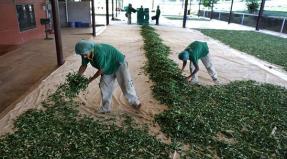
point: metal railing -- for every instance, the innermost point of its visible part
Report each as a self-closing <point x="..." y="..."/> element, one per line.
<point x="277" y="24"/>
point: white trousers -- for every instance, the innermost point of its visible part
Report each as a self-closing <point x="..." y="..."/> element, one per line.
<point x="107" y="86"/>
<point x="129" y="18"/>
<point x="208" y="65"/>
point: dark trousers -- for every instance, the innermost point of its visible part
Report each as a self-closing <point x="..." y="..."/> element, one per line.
<point x="156" y="18"/>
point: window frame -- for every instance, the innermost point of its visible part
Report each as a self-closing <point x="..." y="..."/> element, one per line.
<point x="26" y="18"/>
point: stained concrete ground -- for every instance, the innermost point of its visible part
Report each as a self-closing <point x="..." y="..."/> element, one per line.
<point x="22" y="69"/>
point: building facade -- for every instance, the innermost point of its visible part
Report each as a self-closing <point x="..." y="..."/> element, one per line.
<point x="20" y="21"/>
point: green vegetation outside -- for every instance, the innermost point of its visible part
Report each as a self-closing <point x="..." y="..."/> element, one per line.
<point x="263" y="46"/>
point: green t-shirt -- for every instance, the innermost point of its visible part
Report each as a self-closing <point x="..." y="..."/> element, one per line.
<point x="157" y="12"/>
<point x="105" y="57"/>
<point x="130" y="10"/>
<point x="199" y="50"/>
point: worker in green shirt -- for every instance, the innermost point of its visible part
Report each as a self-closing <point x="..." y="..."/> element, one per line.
<point x="195" y="51"/>
<point x="156" y="17"/>
<point x="130" y="9"/>
<point x="111" y="65"/>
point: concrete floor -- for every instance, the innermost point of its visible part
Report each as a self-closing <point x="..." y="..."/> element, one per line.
<point x="24" y="68"/>
<point x="7" y="48"/>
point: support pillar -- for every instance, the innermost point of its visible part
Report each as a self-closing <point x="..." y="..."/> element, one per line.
<point x="57" y="31"/>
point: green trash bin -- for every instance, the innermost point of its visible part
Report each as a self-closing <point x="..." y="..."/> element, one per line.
<point x="146" y="16"/>
<point x="140" y="16"/>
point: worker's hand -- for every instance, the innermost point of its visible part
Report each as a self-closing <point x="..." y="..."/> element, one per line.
<point x="189" y="78"/>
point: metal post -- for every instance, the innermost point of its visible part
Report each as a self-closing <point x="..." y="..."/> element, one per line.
<point x="211" y="13"/>
<point x="282" y="27"/>
<point x="116" y="8"/>
<point x="219" y="16"/>
<point x="185" y="12"/>
<point x="242" y="20"/>
<point x="57" y="30"/>
<point x="93" y="18"/>
<point x="230" y="14"/>
<point x="199" y="8"/>
<point x="113" y="10"/>
<point x="66" y="10"/>
<point x="190" y="7"/>
<point x="260" y="14"/>
<point x="204" y="13"/>
<point x="107" y="12"/>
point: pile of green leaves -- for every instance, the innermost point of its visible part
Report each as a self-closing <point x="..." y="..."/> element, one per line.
<point x="75" y="83"/>
<point x="60" y="131"/>
<point x="263" y="46"/>
<point x="243" y="119"/>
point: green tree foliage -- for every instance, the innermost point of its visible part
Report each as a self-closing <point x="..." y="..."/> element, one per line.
<point x="208" y="3"/>
<point x="252" y="5"/>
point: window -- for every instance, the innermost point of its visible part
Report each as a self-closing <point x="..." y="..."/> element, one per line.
<point x="26" y="16"/>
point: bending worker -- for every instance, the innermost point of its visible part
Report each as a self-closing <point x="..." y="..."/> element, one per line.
<point x="111" y="65"/>
<point x="195" y="51"/>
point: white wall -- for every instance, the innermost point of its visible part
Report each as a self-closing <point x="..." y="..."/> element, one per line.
<point x="79" y="11"/>
<point x="62" y="12"/>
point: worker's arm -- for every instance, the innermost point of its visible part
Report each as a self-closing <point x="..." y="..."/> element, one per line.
<point x="183" y="65"/>
<point x="189" y="78"/>
<point x="82" y="69"/>
<point x="96" y="75"/>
